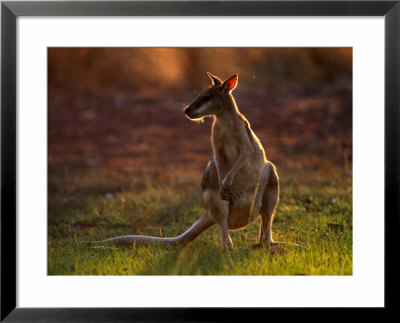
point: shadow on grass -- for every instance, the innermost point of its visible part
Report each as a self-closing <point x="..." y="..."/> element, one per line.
<point x="317" y="214"/>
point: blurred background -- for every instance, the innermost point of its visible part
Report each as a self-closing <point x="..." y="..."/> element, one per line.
<point x="120" y="110"/>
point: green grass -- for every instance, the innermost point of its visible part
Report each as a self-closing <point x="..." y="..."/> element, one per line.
<point x="315" y="211"/>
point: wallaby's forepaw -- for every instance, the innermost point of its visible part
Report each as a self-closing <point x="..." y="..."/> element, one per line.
<point x="225" y="190"/>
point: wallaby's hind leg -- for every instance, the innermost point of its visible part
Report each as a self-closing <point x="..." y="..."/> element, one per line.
<point x="226" y="241"/>
<point x="269" y="203"/>
<point x="218" y="209"/>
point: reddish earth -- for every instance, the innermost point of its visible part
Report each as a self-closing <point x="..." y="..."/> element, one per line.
<point x="113" y="132"/>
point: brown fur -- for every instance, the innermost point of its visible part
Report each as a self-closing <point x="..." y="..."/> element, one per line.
<point x="239" y="184"/>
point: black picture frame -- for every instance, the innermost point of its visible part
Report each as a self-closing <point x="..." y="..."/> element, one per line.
<point x="11" y="10"/>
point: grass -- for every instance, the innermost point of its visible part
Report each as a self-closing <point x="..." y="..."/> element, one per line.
<point x="315" y="211"/>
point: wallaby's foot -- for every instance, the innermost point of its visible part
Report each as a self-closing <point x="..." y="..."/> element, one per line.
<point x="227" y="249"/>
<point x="272" y="244"/>
<point x="226" y="242"/>
<point x="258" y="245"/>
<point x="277" y="243"/>
<point x="227" y="246"/>
<point x="270" y="249"/>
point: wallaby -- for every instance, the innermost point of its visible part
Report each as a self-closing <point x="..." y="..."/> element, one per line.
<point x="239" y="184"/>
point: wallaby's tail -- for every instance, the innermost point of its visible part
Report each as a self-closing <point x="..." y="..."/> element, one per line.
<point x="202" y="224"/>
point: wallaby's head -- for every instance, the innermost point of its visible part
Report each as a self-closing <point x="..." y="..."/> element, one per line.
<point x="215" y="100"/>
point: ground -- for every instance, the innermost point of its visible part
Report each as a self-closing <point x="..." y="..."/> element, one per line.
<point x="119" y="165"/>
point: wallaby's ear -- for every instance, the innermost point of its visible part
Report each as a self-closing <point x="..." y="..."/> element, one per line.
<point x="230" y="83"/>
<point x="214" y="80"/>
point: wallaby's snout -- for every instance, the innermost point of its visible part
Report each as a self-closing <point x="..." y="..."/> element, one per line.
<point x="194" y="111"/>
<point x="199" y="107"/>
<point x="189" y="111"/>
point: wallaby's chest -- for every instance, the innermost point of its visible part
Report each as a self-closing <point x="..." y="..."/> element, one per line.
<point x="226" y="148"/>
